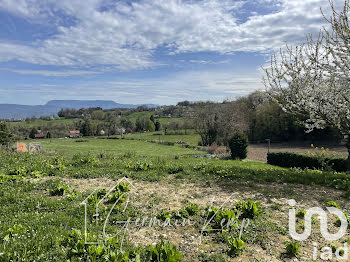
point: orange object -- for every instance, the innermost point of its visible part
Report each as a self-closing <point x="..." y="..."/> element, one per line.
<point x="21" y="147"/>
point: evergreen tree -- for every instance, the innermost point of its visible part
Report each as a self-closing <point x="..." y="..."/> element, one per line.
<point x="5" y="135"/>
<point x="33" y="132"/>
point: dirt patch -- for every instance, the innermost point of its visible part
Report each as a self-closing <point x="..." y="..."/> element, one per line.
<point x="173" y="194"/>
<point x="259" y="152"/>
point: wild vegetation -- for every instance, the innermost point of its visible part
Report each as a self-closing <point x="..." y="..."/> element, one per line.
<point x="42" y="217"/>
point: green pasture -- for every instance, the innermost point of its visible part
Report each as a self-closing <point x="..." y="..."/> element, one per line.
<point x="94" y="146"/>
<point x="187" y="136"/>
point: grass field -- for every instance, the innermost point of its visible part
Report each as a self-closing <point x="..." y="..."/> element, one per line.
<point x="69" y="147"/>
<point x="42" y="219"/>
<point x="42" y="123"/>
<point x="187" y="136"/>
<point x="162" y="120"/>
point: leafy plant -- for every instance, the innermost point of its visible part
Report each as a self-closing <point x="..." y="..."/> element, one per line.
<point x="301" y="213"/>
<point x="175" y="169"/>
<point x="163" y="215"/>
<point x="37" y="174"/>
<point x="139" y="165"/>
<point x="249" y="209"/>
<point x="222" y="218"/>
<point x="18" y="171"/>
<point x="180" y="214"/>
<point x="338" y="222"/>
<point x="94" y="198"/>
<point x="236" y="246"/>
<point x="123" y="187"/>
<point x="333" y="204"/>
<point x="57" y="163"/>
<point x="192" y="209"/>
<point x="292" y="248"/>
<point x="59" y="189"/>
<point x="84" y="160"/>
<point x="117" y="196"/>
<point x="162" y="252"/>
<point x="73" y="194"/>
<point x="5" y="178"/>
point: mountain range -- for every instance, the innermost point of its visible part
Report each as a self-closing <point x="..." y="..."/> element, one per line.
<point x="15" y="111"/>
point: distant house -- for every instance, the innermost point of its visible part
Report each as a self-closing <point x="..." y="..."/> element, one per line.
<point x="74" y="133"/>
<point x="39" y="136"/>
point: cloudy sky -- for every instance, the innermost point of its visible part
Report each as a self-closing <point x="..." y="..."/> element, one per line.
<point x="145" y="51"/>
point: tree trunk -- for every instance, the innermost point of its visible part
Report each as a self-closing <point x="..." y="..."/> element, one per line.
<point x="348" y="147"/>
<point x="348" y="161"/>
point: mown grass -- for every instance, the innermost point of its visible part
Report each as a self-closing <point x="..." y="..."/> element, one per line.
<point x="69" y="147"/>
<point x="42" y="123"/>
<point x="163" y="120"/>
<point x="187" y="136"/>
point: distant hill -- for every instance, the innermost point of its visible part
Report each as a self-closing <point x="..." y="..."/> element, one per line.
<point x="14" y="111"/>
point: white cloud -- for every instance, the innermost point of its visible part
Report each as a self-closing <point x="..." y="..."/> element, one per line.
<point x="50" y="72"/>
<point x="125" y="35"/>
<point x="169" y="89"/>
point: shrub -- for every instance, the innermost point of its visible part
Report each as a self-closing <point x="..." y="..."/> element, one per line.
<point x="212" y="148"/>
<point x="238" y="145"/>
<point x="292" y="248"/>
<point x="235" y="246"/>
<point x="288" y="159"/>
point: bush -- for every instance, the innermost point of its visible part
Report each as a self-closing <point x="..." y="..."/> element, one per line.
<point x="238" y="145"/>
<point x="212" y="148"/>
<point x="287" y="159"/>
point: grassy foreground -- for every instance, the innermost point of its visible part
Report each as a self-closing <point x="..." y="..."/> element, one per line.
<point x="42" y="218"/>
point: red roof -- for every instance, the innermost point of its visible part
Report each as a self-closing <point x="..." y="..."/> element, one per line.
<point x="74" y="132"/>
<point x="39" y="135"/>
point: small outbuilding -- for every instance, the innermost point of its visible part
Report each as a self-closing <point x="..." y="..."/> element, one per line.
<point x="39" y="136"/>
<point x="74" y="133"/>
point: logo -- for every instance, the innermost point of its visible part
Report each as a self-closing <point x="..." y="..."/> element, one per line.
<point x="323" y="222"/>
<point x="326" y="253"/>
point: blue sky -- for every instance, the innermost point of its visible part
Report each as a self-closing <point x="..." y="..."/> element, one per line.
<point x="160" y="51"/>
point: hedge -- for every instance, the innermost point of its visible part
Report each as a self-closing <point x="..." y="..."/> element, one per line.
<point x="287" y="159"/>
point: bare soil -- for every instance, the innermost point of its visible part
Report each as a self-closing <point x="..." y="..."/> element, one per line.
<point x="258" y="152"/>
<point x="172" y="194"/>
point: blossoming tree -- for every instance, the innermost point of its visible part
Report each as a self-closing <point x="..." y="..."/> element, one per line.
<point x="313" y="79"/>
